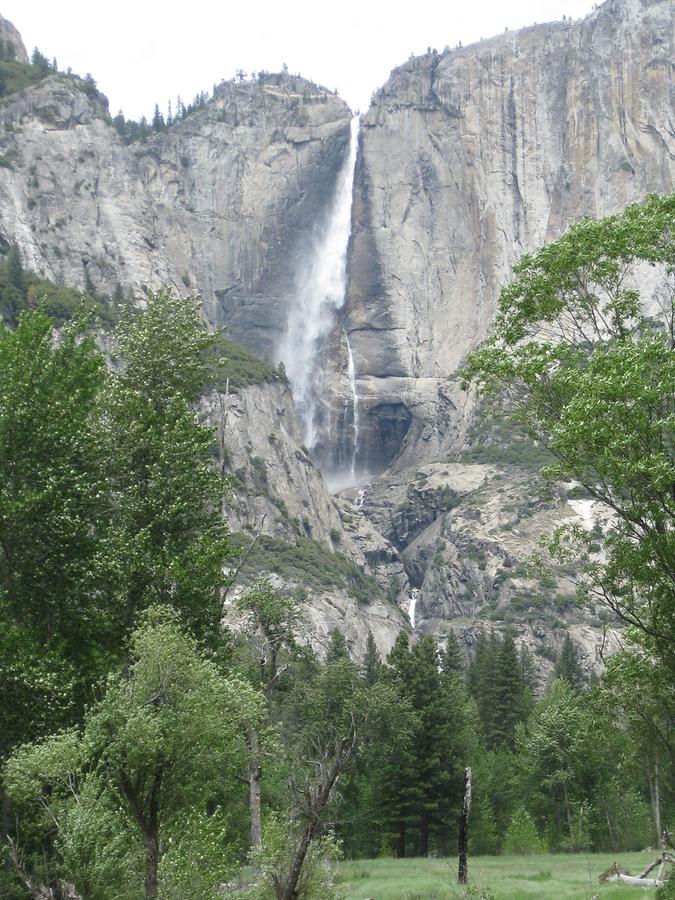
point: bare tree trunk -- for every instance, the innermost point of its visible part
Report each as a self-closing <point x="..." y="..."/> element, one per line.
<point x="464" y="828"/>
<point x="288" y="888"/>
<point x="255" y="787"/>
<point x="655" y="798"/>
<point x="657" y="808"/>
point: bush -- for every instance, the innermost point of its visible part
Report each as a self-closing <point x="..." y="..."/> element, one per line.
<point x="273" y="859"/>
<point x="521" y="836"/>
<point x="309" y="563"/>
<point x="242" y="368"/>
<point x="667" y="889"/>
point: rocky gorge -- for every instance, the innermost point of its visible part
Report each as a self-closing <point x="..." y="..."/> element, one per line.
<point x="465" y="160"/>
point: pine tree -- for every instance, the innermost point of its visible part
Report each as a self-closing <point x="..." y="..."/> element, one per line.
<point x="568" y="666"/>
<point x="509" y="694"/>
<point x="451" y="657"/>
<point x="372" y="662"/>
<point x="337" y="647"/>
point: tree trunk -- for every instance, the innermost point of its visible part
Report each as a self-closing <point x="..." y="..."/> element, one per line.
<point x="288" y="888"/>
<point x="656" y="805"/>
<point x="464" y="828"/>
<point x="151" y="865"/>
<point x="255" y="787"/>
<point x="568" y="812"/>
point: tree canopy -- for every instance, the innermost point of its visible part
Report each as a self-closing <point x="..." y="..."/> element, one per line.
<point x="582" y="355"/>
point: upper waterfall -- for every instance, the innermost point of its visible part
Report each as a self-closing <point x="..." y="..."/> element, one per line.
<point x="320" y="293"/>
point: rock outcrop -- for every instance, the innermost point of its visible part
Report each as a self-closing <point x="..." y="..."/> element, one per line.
<point x="11" y="38"/>
<point x="470" y="158"/>
<point x="318" y="547"/>
<point x="219" y="204"/>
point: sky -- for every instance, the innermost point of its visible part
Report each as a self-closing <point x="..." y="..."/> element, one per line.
<point x="145" y="52"/>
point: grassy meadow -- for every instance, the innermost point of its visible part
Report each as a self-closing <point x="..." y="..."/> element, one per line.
<point x="541" y="876"/>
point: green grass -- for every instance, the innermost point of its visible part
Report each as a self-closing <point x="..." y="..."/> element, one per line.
<point x="538" y="877"/>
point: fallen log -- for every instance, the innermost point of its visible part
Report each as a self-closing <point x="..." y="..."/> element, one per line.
<point x="635" y="880"/>
<point x="641" y="880"/>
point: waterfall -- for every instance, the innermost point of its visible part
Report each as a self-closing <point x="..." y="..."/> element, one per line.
<point x="351" y="374"/>
<point x="414" y="597"/>
<point x="320" y="292"/>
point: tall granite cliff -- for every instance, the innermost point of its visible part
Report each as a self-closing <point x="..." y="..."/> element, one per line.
<point x="468" y="159"/>
<point x="220" y="204"/>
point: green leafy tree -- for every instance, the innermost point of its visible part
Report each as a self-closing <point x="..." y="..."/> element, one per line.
<point x="593" y="379"/>
<point x="270" y="635"/>
<point x="52" y="491"/>
<point x="330" y="721"/>
<point x="451" y="657"/>
<point x="553" y="750"/>
<point x="162" y="749"/>
<point x="167" y="539"/>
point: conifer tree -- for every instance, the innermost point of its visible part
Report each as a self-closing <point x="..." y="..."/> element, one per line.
<point x="451" y="657"/>
<point x="337" y="647"/>
<point x="372" y="662"/>
<point x="509" y="694"/>
<point x="567" y="665"/>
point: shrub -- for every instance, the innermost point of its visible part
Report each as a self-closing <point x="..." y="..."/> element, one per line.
<point x="521" y="836"/>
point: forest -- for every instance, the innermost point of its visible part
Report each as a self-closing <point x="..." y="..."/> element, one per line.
<point x="149" y="752"/>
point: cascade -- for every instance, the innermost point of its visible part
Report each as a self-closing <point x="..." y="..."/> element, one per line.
<point x="414" y="597"/>
<point x="320" y="293"/>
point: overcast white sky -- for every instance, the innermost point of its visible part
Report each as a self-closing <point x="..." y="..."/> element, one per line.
<point x="146" y="51"/>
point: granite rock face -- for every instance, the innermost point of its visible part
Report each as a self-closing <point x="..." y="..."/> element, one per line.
<point x="9" y="35"/>
<point x="276" y="491"/>
<point x="220" y="204"/>
<point x="470" y="158"/>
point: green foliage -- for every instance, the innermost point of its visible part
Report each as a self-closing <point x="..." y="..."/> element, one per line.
<point x="594" y="381"/>
<point x="238" y="368"/>
<point x="15" y="75"/>
<point x="497" y="680"/>
<point x="167" y="539"/>
<point x="667" y="890"/>
<point x="21" y="291"/>
<point x="521" y="836"/>
<point x="307" y="562"/>
<point x="567" y="665"/>
<point x="161" y="748"/>
<point x="273" y="859"/>
<point x="49" y="451"/>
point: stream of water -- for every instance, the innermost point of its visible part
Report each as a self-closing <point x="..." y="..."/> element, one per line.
<point x="320" y="293"/>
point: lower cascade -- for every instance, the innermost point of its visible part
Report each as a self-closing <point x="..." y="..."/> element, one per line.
<point x="414" y="597"/>
<point x="320" y="294"/>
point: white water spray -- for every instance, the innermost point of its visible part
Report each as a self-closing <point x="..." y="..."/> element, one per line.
<point x="320" y="292"/>
<point x="361" y="496"/>
<point x="414" y="597"/>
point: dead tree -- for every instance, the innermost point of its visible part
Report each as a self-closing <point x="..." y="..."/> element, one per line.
<point x="464" y="828"/>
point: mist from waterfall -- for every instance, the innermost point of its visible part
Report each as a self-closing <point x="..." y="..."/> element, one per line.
<point x="320" y="293"/>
